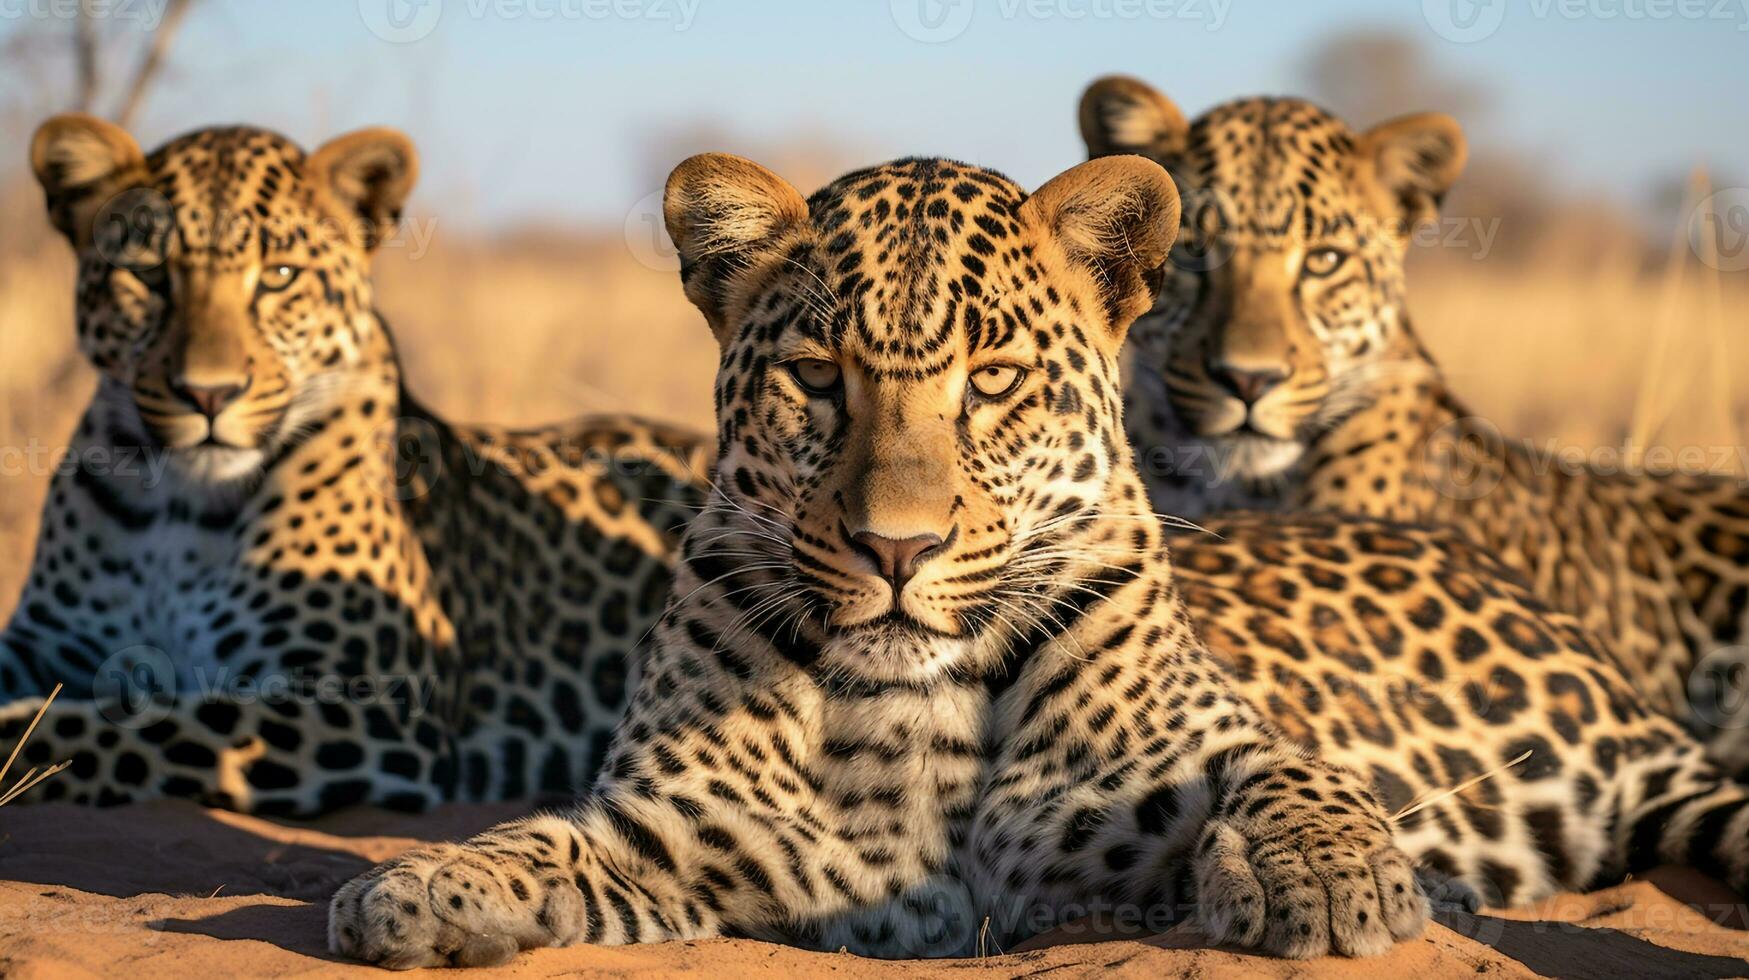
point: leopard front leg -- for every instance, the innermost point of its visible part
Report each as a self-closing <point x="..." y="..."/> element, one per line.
<point x="542" y="881"/>
<point x="459" y="905"/>
<point x="1299" y="860"/>
<point x="1197" y="808"/>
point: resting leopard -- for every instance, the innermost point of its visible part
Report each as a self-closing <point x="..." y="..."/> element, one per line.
<point x="1281" y="370"/>
<point x="267" y="577"/>
<point x="928" y="678"/>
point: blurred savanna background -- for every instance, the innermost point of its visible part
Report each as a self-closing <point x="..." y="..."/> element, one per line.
<point x="1587" y="285"/>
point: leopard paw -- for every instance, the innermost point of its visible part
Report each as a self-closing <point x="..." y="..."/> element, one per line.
<point x="1306" y="888"/>
<point x="451" y="906"/>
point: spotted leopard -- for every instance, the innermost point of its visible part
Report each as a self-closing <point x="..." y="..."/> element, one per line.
<point x="929" y="678"/>
<point x="267" y="577"/>
<point x="1281" y="370"/>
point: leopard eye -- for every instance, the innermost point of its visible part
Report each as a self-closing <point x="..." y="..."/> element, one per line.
<point x="277" y="277"/>
<point x="997" y="380"/>
<point x="1321" y="262"/>
<point x="816" y="376"/>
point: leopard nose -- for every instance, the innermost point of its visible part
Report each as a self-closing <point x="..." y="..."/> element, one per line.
<point x="897" y="559"/>
<point x="1248" y="385"/>
<point x="209" y="400"/>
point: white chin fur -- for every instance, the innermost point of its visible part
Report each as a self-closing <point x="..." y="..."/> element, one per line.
<point x="1253" y="457"/>
<point x="889" y="659"/>
<point x="217" y="465"/>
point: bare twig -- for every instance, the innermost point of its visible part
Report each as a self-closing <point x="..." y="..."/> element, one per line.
<point x="174" y="12"/>
<point x="32" y="777"/>
<point x="85" y="55"/>
<point x="1459" y="788"/>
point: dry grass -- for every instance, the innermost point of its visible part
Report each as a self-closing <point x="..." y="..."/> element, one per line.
<point x="1564" y="342"/>
<point x="1590" y="343"/>
<point x="35" y="774"/>
<point x="525" y="332"/>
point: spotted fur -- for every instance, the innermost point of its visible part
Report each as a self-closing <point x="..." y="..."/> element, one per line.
<point x="929" y="677"/>
<point x="270" y="579"/>
<point x="1263" y="380"/>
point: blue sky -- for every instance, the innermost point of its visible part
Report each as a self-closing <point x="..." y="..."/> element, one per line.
<point x="542" y="109"/>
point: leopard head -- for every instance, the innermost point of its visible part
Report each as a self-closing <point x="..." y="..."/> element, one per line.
<point x="223" y="290"/>
<point x="1284" y="302"/>
<point x="918" y="396"/>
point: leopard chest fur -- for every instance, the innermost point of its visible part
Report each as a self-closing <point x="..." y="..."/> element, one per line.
<point x="900" y="771"/>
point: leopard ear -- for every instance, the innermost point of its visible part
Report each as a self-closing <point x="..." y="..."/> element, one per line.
<point x="1120" y="114"/>
<point x="723" y="212"/>
<point x="1116" y="217"/>
<point x="1414" y="160"/>
<point x="365" y="177"/>
<point x="81" y="162"/>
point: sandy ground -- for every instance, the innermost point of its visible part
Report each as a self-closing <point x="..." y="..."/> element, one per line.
<point x="170" y="889"/>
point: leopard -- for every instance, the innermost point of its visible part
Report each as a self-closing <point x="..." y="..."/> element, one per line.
<point x="1281" y="370"/>
<point x="931" y="681"/>
<point x="267" y="577"/>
